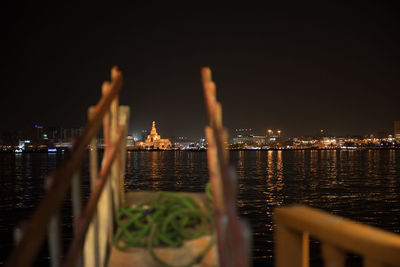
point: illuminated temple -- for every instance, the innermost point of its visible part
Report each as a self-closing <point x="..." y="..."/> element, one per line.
<point x="154" y="141"/>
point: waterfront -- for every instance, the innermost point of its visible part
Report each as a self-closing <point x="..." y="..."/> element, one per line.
<point x="361" y="185"/>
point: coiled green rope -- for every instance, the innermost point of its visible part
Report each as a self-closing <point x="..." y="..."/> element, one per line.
<point x="167" y="220"/>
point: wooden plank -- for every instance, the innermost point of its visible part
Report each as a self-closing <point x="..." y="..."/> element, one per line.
<point x="291" y="247"/>
<point x="343" y="233"/>
<point x="333" y="256"/>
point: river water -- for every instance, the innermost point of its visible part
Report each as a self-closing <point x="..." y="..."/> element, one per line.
<point x="360" y="185"/>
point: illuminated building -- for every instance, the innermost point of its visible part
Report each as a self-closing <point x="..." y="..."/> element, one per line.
<point x="397" y="131"/>
<point x="154" y="141"/>
<point x="143" y="135"/>
<point x="273" y="136"/>
<point x="243" y="136"/>
<point x="130" y="141"/>
<point x="39" y="131"/>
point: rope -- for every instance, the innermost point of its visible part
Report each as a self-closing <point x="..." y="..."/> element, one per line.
<point x="167" y="220"/>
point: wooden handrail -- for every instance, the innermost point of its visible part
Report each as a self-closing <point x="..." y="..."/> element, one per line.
<point x="337" y="233"/>
<point x="60" y="181"/>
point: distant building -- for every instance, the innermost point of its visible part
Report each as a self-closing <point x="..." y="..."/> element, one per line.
<point x="130" y="142"/>
<point x="245" y="140"/>
<point x="243" y="132"/>
<point x="143" y="135"/>
<point x="154" y="141"/>
<point x="38" y="133"/>
<point x="273" y="136"/>
<point x="60" y="136"/>
<point x="397" y="131"/>
<point x="243" y="136"/>
<point x="260" y="139"/>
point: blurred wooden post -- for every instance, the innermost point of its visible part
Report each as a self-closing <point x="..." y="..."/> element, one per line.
<point x="124" y="112"/>
<point x="54" y="235"/>
<point x="106" y="216"/>
<point x="91" y="247"/>
<point x="76" y="202"/>
<point x="291" y="248"/>
<point x="233" y="234"/>
<point x="76" y="245"/>
<point x="114" y="123"/>
<point x="333" y="256"/>
<point x="35" y="231"/>
<point x="368" y="262"/>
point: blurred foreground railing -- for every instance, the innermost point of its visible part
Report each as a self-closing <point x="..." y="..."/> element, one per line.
<point x="233" y="233"/>
<point x="337" y="235"/>
<point x="93" y="226"/>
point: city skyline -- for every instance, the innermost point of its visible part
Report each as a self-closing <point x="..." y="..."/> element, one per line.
<point x="298" y="68"/>
<point x="40" y="132"/>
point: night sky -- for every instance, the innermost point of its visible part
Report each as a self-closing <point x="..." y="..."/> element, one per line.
<point x="298" y="68"/>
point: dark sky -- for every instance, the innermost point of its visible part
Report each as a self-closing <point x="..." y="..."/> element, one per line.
<point x="299" y="68"/>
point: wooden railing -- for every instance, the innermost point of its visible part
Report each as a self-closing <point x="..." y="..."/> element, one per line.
<point x="337" y="235"/>
<point x="93" y="226"/>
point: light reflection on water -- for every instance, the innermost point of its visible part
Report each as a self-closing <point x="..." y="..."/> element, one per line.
<point x="361" y="185"/>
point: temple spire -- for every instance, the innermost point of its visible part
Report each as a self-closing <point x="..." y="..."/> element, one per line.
<point x="154" y="140"/>
<point x="153" y="129"/>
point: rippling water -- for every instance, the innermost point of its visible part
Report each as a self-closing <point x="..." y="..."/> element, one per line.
<point x="360" y="185"/>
